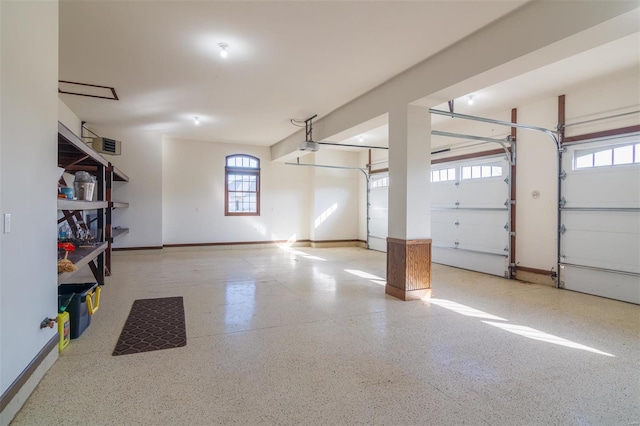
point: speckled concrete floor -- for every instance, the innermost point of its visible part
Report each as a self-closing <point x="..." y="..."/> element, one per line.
<point x="307" y="336"/>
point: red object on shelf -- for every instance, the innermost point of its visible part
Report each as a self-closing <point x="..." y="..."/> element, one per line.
<point x="66" y="246"/>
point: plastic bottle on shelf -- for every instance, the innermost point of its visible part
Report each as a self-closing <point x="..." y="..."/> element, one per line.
<point x="64" y="232"/>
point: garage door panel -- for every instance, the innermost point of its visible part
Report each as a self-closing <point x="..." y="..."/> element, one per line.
<point x="593" y="188"/>
<point x="600" y="250"/>
<point x="479" y="217"/>
<point x="599" y="283"/>
<point x="473" y="217"/>
<point x="378" y="212"/>
<point x="483" y="238"/>
<point x="445" y="232"/>
<point x="378" y="228"/>
<point x="462" y="236"/>
<point x="479" y="235"/>
<point x="603" y="221"/>
<point x="486" y="263"/>
<point x="473" y="230"/>
<point x="482" y="193"/>
<point x="379" y="244"/>
<point x="444" y="194"/>
<point x="608" y="240"/>
<point x="379" y="196"/>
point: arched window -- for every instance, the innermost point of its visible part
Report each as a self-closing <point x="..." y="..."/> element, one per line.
<point x="242" y="192"/>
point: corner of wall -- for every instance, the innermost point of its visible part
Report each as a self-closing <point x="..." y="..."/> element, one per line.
<point x="69" y="118"/>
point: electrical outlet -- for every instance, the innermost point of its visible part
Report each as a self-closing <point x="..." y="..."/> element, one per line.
<point x="7" y="223"/>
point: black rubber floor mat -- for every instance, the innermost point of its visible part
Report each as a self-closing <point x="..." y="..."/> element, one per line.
<point x="153" y="324"/>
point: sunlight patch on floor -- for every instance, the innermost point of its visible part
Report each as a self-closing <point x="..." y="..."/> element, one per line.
<point x="373" y="278"/>
<point x="306" y="255"/>
<point x="520" y="330"/>
<point x="534" y="334"/>
<point x="463" y="309"/>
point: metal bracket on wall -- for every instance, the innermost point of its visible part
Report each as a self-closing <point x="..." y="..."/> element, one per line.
<point x="563" y="175"/>
<point x="563" y="229"/>
<point x="563" y="202"/>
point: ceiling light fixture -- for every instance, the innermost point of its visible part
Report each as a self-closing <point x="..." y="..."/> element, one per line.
<point x="361" y="138"/>
<point x="223" y="49"/>
<point x="196" y="121"/>
<point x="470" y="99"/>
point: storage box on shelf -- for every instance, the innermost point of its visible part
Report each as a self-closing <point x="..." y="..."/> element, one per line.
<point x="73" y="156"/>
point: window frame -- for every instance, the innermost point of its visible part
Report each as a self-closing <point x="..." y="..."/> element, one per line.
<point x="242" y="171"/>
<point x="476" y="168"/>
<point x="633" y="142"/>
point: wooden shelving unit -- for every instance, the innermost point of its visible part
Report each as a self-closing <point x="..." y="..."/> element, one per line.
<point x="64" y="204"/>
<point x="81" y="256"/>
<point x="75" y="155"/>
<point x="116" y="233"/>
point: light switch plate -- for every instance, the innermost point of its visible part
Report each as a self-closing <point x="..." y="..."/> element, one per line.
<point x="7" y="223"/>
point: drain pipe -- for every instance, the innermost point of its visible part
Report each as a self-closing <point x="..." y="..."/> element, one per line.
<point x="553" y="135"/>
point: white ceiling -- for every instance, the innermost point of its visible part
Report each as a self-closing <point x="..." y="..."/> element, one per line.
<point x="611" y="60"/>
<point x="286" y="59"/>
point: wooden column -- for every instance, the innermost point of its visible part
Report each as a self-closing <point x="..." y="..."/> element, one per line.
<point x="408" y="268"/>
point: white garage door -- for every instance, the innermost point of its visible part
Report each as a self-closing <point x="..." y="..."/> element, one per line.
<point x="600" y="219"/>
<point x="470" y="214"/>
<point x="378" y="211"/>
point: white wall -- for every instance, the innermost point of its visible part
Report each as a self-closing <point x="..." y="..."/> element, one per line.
<point x="28" y="178"/>
<point x="69" y="118"/>
<point x="193" y="196"/>
<point x="141" y="160"/>
<point x="335" y="211"/>
<point x="536" y="218"/>
<point x="614" y="94"/>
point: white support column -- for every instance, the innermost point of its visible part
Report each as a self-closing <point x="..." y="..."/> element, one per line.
<point x="409" y="172"/>
<point x="409" y="242"/>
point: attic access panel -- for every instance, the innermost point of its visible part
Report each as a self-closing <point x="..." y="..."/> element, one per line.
<point x="88" y="90"/>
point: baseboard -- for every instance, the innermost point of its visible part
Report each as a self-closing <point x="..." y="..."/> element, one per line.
<point x="18" y="392"/>
<point x="535" y="276"/>
<point x="338" y="243"/>
<point x="250" y="244"/>
<point x="235" y="243"/>
<point x="136" y="248"/>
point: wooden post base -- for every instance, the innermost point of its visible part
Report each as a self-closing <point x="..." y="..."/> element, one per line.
<point x="408" y="269"/>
